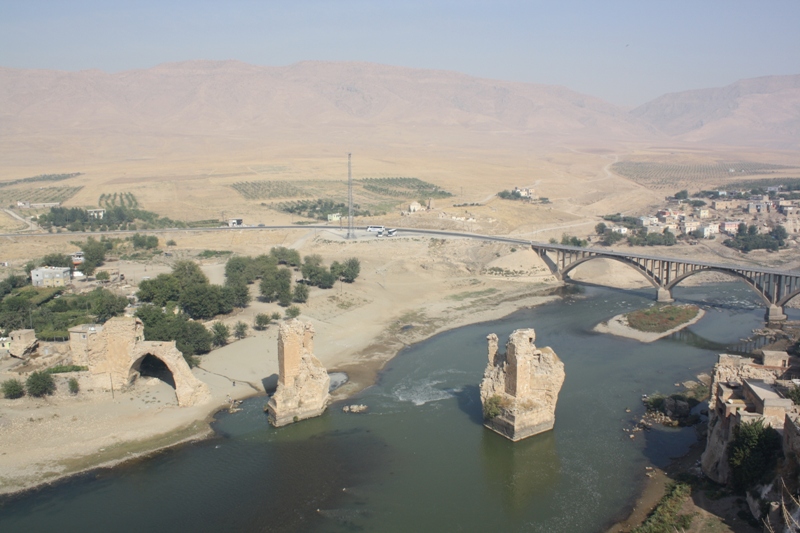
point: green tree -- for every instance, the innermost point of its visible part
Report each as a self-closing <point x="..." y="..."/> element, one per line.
<point x="351" y="269"/>
<point x="780" y="234"/>
<point x="103" y="276"/>
<point x="57" y="260"/>
<point x="300" y="294"/>
<point x="188" y="273"/>
<point x="239" y="293"/>
<point x="219" y="334"/>
<point x="753" y="454"/>
<point x="12" y="389"/>
<point x="160" y="290"/>
<point x="261" y="321"/>
<point x="600" y="228"/>
<point x="94" y="253"/>
<point x="682" y="195"/>
<point x="106" y="305"/>
<point x="292" y="311"/>
<point x="40" y="384"/>
<point x="240" y="330"/>
<point x="201" y="301"/>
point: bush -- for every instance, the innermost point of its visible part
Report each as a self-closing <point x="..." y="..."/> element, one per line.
<point x="61" y="369"/>
<point x="12" y="389"/>
<point x="40" y="384"/>
<point x="171" y="242"/>
<point x="73" y="386"/>
<point x="219" y="334"/>
<point x="261" y="321"/>
<point x="103" y="276"/>
<point x="492" y="407"/>
<point x="753" y="454"/>
<point x="300" y="293"/>
<point x="292" y="311"/>
<point x="240" y="330"/>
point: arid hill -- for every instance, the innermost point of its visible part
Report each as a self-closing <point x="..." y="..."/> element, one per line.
<point x="753" y="112"/>
<point x="310" y="99"/>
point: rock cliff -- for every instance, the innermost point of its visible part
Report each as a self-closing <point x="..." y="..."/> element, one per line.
<point x="303" y="382"/>
<point x="520" y="388"/>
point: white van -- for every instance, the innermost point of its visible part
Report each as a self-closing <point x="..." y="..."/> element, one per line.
<point x="375" y="228"/>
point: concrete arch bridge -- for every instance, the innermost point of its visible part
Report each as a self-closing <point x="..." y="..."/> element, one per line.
<point x="775" y="287"/>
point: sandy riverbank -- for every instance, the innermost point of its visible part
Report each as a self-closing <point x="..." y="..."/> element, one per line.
<point x="401" y="297"/>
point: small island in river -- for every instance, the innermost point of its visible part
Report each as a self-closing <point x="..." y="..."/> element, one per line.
<point x="653" y="323"/>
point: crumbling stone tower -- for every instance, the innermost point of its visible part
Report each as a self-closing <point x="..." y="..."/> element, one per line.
<point x="303" y="382"/>
<point x="520" y="388"/>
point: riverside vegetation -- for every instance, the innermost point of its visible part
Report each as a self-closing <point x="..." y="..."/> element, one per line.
<point x="660" y="318"/>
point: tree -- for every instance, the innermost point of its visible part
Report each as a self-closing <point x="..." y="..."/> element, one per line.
<point x="94" y="253"/>
<point x="106" y="305"/>
<point x="57" y="260"/>
<point x="240" y="330"/>
<point x="780" y="234"/>
<point x="351" y="269"/>
<point x="741" y="229"/>
<point x="201" y="301"/>
<point x="752" y="230"/>
<point x="753" y="454"/>
<point x="300" y="294"/>
<point x="103" y="276"/>
<point x="73" y="385"/>
<point x="292" y="311"/>
<point x="12" y="389"/>
<point x="600" y="228"/>
<point x="188" y="273"/>
<point x="160" y="290"/>
<point x="237" y="293"/>
<point x="682" y="195"/>
<point x="219" y="334"/>
<point x="261" y="321"/>
<point x="40" y="384"/>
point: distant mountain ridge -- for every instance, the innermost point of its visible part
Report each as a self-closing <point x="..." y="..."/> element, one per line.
<point x="323" y="100"/>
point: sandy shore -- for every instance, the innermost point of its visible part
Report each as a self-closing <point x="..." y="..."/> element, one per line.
<point x="618" y="326"/>
<point x="402" y="296"/>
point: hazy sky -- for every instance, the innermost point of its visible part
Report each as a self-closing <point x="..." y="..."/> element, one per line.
<point x="624" y="51"/>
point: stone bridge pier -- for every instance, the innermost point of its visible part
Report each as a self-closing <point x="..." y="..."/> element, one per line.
<point x="774" y="287"/>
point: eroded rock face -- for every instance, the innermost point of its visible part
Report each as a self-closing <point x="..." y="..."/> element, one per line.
<point x="303" y="382"/>
<point x="520" y="388"/>
<point x="114" y="352"/>
<point x="23" y="343"/>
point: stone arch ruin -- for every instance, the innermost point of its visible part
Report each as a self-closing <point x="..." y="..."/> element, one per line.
<point x="117" y="348"/>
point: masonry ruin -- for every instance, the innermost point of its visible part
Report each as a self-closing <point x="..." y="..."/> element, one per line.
<point x="520" y="387"/>
<point x="303" y="383"/>
<point x="114" y="352"/>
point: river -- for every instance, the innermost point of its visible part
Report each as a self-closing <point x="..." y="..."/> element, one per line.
<point x="419" y="459"/>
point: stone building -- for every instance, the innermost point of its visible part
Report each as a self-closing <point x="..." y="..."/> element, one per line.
<point x="114" y="353"/>
<point x="522" y="385"/>
<point x="303" y="383"/>
<point x="22" y="343"/>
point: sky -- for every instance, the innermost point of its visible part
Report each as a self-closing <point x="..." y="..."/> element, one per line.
<point x="626" y="52"/>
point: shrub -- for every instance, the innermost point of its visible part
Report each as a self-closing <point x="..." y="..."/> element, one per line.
<point x="753" y="454"/>
<point x="492" y="407"/>
<point x="793" y="393"/>
<point x="12" y="389"/>
<point x="73" y="386"/>
<point x="171" y="242"/>
<point x="240" y="330"/>
<point x="292" y="311"/>
<point x="40" y="384"/>
<point x="219" y="334"/>
<point x="261" y="321"/>
<point x="103" y="276"/>
<point x="60" y="369"/>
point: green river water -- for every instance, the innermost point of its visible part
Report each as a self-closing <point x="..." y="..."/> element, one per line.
<point x="419" y="459"/>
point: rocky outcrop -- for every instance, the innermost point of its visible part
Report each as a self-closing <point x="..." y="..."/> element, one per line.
<point x="722" y="417"/>
<point x="303" y="382"/>
<point x="115" y="351"/>
<point x="520" y="388"/>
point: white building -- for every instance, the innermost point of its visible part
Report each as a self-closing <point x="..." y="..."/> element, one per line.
<point x="48" y="276"/>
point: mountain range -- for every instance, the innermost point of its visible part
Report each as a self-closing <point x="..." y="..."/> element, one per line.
<point x="378" y="103"/>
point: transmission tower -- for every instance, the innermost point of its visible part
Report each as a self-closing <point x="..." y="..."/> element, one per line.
<point x="350" y="229"/>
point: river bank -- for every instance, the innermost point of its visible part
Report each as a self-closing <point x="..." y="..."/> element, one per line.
<point x="49" y="439"/>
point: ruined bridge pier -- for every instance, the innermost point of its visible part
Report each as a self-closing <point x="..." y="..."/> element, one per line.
<point x="775" y="287"/>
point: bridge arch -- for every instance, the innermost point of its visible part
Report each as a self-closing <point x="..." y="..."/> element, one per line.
<point x="731" y="273"/>
<point x="783" y="301"/>
<point x="622" y="260"/>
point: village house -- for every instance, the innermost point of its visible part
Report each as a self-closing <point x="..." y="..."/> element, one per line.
<point x="688" y="226"/>
<point x="730" y="226"/>
<point x="96" y="213"/>
<point x="724" y="205"/>
<point x="622" y="230"/>
<point x="48" y="276"/>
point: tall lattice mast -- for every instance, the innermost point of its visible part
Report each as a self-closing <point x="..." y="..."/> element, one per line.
<point x="350" y="230"/>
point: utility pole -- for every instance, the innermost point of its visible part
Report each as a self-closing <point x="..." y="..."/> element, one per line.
<point x="350" y="230"/>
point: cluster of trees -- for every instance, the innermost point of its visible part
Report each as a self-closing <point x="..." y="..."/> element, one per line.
<point x="571" y="240"/>
<point x="510" y="195"/>
<point x="38" y="384"/>
<point x="747" y="238"/>
<point x="51" y="314"/>
<point x="192" y="338"/>
<point x="642" y="238"/>
<point x="189" y="289"/>
<point x="147" y="242"/>
<point x="273" y="271"/>
<point x="115" y="218"/>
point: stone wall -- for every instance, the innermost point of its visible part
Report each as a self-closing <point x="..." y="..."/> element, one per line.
<point x="523" y="383"/>
<point x="303" y="382"/>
